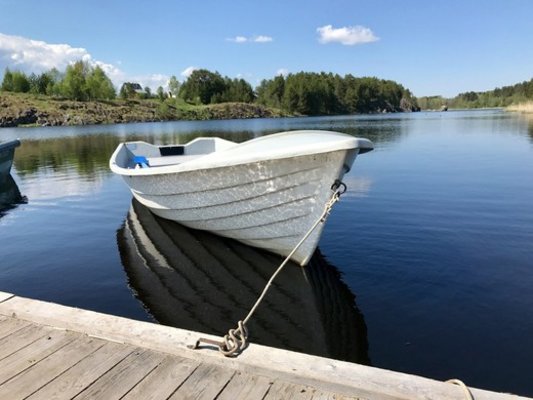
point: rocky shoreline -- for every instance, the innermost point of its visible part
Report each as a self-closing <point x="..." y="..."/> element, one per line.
<point x="24" y="117"/>
<point x="33" y="117"/>
<point x="25" y="110"/>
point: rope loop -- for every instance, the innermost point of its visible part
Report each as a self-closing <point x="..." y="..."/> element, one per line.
<point x="235" y="340"/>
<point x="461" y="384"/>
<point x="337" y="189"/>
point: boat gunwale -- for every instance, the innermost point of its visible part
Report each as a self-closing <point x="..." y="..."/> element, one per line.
<point x="213" y="160"/>
<point x="12" y="144"/>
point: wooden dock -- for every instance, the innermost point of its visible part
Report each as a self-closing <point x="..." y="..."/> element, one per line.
<point x="49" y="351"/>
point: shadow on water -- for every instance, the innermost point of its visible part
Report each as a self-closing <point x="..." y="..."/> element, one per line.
<point x="198" y="281"/>
<point x="10" y="196"/>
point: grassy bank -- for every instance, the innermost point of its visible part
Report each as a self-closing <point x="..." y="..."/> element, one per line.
<point x="526" y="107"/>
<point x="21" y="109"/>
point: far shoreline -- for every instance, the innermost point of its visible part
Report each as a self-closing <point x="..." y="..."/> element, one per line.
<point x="19" y="110"/>
<point x="22" y="110"/>
<point x="27" y="111"/>
<point x="36" y="125"/>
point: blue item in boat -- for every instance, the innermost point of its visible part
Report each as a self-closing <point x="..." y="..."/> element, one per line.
<point x="141" y="161"/>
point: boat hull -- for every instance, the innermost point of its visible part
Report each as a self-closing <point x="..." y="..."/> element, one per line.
<point x="7" y="152"/>
<point x="268" y="204"/>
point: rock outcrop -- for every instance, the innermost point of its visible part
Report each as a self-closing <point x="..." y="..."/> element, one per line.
<point x="24" y="110"/>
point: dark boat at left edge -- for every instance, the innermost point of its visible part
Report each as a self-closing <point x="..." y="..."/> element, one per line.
<point x="7" y="151"/>
<point x="10" y="195"/>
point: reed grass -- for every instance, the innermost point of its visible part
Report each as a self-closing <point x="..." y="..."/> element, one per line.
<point x="526" y="107"/>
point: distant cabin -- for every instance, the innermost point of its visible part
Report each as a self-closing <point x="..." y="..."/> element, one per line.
<point x="137" y="87"/>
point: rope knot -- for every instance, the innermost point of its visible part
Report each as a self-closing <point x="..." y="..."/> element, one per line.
<point x="235" y="340"/>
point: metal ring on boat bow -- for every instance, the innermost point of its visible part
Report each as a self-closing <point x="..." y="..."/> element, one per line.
<point x="339" y="186"/>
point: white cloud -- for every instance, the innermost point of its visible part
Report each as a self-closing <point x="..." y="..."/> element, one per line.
<point x="153" y="81"/>
<point x="114" y="73"/>
<point x="35" y="55"/>
<point x="188" y="71"/>
<point x="247" y="76"/>
<point x="257" y="39"/>
<point x="282" y="72"/>
<point x="20" y="53"/>
<point x="262" y="39"/>
<point x="348" y="35"/>
<point x="237" y="39"/>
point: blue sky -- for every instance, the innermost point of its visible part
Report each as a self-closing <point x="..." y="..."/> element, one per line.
<point x="431" y="47"/>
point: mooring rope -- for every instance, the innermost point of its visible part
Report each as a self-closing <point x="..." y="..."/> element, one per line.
<point x="460" y="383"/>
<point x="235" y="341"/>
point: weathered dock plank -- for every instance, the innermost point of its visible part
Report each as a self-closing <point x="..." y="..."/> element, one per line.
<point x="39" y="374"/>
<point x="29" y="355"/>
<point x="21" y="338"/>
<point x="286" y="390"/>
<point x="8" y="326"/>
<point x="120" y="379"/>
<point x="332" y="396"/>
<point x="5" y="296"/>
<point x="83" y="374"/>
<point x="205" y="383"/>
<point x="163" y="381"/>
<point x="152" y="349"/>
<point x="246" y="386"/>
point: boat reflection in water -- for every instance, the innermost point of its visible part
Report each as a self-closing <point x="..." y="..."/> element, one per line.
<point x="10" y="195"/>
<point x="198" y="281"/>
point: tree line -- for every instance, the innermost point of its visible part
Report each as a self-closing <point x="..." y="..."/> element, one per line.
<point x="305" y="93"/>
<point x="80" y="81"/>
<point x="499" y="97"/>
<point x="206" y="87"/>
<point x="323" y="93"/>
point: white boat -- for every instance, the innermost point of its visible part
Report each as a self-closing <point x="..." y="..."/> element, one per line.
<point x="266" y="192"/>
<point x="7" y="151"/>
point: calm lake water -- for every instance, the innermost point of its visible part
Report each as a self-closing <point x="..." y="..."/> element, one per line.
<point x="425" y="266"/>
